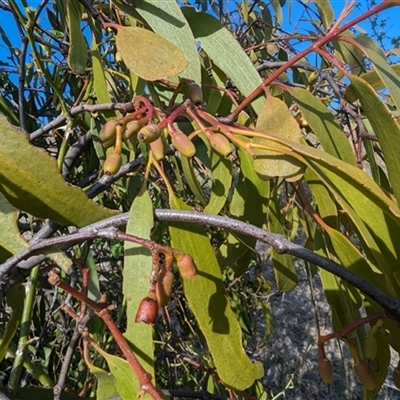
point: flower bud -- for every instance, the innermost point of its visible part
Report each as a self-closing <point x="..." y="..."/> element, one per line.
<point x="325" y="370"/>
<point x="149" y="133"/>
<point x="158" y="148"/>
<point x="183" y="144"/>
<point x="196" y="94"/>
<point x="186" y="265"/>
<point x="370" y="347"/>
<point x="147" y="311"/>
<point x="220" y="144"/>
<point x="365" y="375"/>
<point x="108" y="131"/>
<point x="131" y="128"/>
<point x="164" y="285"/>
<point x="112" y="164"/>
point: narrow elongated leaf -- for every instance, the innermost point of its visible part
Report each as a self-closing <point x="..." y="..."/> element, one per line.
<point x="371" y="77"/>
<point x="105" y="381"/>
<point x="278" y="11"/>
<point x="192" y="180"/>
<point x="326" y="12"/>
<point x="276" y="119"/>
<point x="224" y="51"/>
<point x="166" y="19"/>
<point x="15" y="300"/>
<point x="386" y="130"/>
<point x="125" y="380"/>
<point x="324" y="125"/>
<point x="137" y="268"/>
<point x="77" y="51"/>
<point x="31" y="181"/>
<point x="208" y="301"/>
<point x="148" y="55"/>
<point x="10" y="238"/>
<point x="285" y="272"/>
<point x="363" y="199"/>
<point x="99" y="78"/>
<point x="221" y="169"/>
<point x="378" y="58"/>
<point x="327" y="208"/>
<point x="249" y="186"/>
<point x="343" y="309"/>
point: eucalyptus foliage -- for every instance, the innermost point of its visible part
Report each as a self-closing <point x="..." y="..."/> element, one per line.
<point x="294" y="133"/>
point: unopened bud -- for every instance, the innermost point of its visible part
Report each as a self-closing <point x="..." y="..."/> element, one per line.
<point x="112" y="164"/>
<point x="187" y="267"/>
<point x="108" y="131"/>
<point x="325" y="370"/>
<point x="149" y="133"/>
<point x="158" y="148"/>
<point x="147" y="311"/>
<point x="365" y="375"/>
<point x="183" y="144"/>
<point x="164" y="285"/>
<point x="220" y="144"/>
<point x="131" y="128"/>
<point x="196" y="94"/>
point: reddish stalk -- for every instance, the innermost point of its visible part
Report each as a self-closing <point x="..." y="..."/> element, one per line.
<point x="318" y="44"/>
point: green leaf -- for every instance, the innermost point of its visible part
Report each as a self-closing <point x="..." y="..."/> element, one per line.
<point x="378" y="58"/>
<point x="278" y="11"/>
<point x="327" y="209"/>
<point x="206" y="295"/>
<point x="324" y="125"/>
<point x="224" y="51"/>
<point x="148" y="55"/>
<point x="166" y="19"/>
<point x="352" y="259"/>
<point x="344" y="310"/>
<point x="77" y="51"/>
<point x="284" y="269"/>
<point x="191" y="179"/>
<point x="221" y="169"/>
<point x="99" y="78"/>
<point x="386" y="129"/>
<point x="10" y="238"/>
<point x="350" y="54"/>
<point x="276" y="119"/>
<point x="249" y="186"/>
<point x="373" y="78"/>
<point x="326" y="13"/>
<point x="105" y="382"/>
<point x="31" y="181"/>
<point x="363" y="200"/>
<point x="15" y="300"/>
<point x="137" y="268"/>
<point x="126" y="381"/>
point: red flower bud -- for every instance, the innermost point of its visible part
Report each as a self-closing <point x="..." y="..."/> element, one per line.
<point x="164" y="285"/>
<point x="365" y="375"/>
<point x="187" y="267"/>
<point x="147" y="311"/>
<point x="325" y="370"/>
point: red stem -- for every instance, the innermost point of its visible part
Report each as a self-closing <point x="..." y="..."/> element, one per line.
<point x="322" y="41"/>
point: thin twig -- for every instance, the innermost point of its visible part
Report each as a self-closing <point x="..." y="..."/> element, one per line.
<point x="92" y="108"/>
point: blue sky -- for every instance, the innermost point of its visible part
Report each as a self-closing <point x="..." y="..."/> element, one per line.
<point x="393" y="24"/>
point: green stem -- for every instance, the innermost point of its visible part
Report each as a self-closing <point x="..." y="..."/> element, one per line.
<point x="16" y="371"/>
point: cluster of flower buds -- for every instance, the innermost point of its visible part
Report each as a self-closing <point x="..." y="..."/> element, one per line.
<point x="159" y="296"/>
